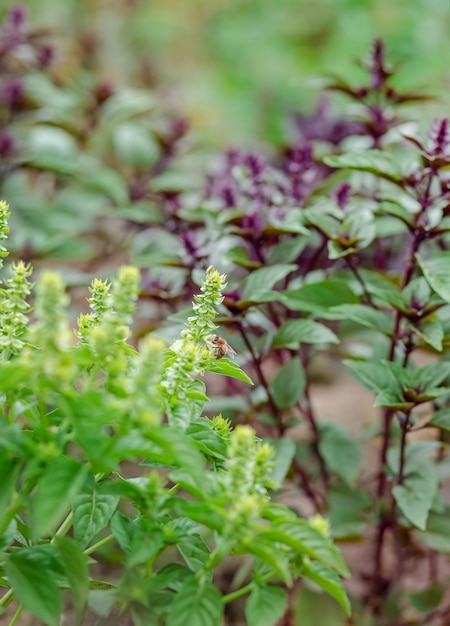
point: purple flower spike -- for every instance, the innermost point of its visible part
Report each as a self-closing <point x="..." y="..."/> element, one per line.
<point x="16" y="19"/>
<point x="12" y="93"/>
<point x="228" y="196"/>
<point x="378" y="71"/>
<point x="45" y="56"/>
<point x="7" y="144"/>
<point x="254" y="163"/>
<point x="191" y="247"/>
<point x="342" y="195"/>
<point x="439" y="137"/>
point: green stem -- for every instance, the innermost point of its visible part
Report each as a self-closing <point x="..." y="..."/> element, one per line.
<point x="99" y="544"/>
<point x="11" y="511"/>
<point x="64" y="528"/>
<point x="7" y="599"/>
<point x="234" y="595"/>
<point x="16" y="615"/>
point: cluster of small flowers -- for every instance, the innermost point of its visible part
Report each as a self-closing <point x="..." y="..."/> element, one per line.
<point x="14" y="309"/>
<point x="98" y="302"/>
<point x="200" y="325"/>
<point x="248" y="463"/>
<point x="187" y="361"/>
<point x="4" y="228"/>
<point x="106" y="328"/>
<point x="246" y="478"/>
<point x="50" y="331"/>
<point x="190" y="355"/>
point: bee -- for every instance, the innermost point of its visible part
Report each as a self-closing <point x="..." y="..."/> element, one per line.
<point x="221" y="347"/>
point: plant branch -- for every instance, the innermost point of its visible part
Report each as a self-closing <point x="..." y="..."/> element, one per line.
<point x="354" y="270"/>
<point x="307" y="409"/>
<point x="304" y="478"/>
<point x="16" y="615"/>
<point x="7" y="599"/>
<point x="64" y="528"/>
<point x="99" y="544"/>
<point x="387" y="519"/>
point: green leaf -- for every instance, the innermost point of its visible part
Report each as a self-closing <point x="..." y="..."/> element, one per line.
<point x="415" y="495"/>
<point x="123" y="529"/>
<point x="194" y="551"/>
<point x="396" y="209"/>
<point x="127" y="103"/>
<point x="135" y="145"/>
<point x="329" y="581"/>
<point x="143" y="212"/>
<point x="374" y="161"/>
<point x="9" y="472"/>
<point x="47" y="142"/>
<point x="341" y="454"/>
<point x="441" y="419"/>
<point x="169" y="447"/>
<point x="262" y="280"/>
<point x="431" y="332"/>
<point x="437" y="273"/>
<point x="314" y="609"/>
<point x="13" y="374"/>
<point x="429" y="599"/>
<point x="289" y="384"/>
<point x="91" y="514"/>
<point x="301" y="536"/>
<point x="208" y="441"/>
<point x="295" y="332"/>
<point x="375" y="377"/>
<point x="171" y="576"/>
<point x="292" y="222"/>
<point x="239" y="256"/>
<point x="8" y="536"/>
<point x="382" y="288"/>
<point x="326" y="216"/>
<point x="108" y="182"/>
<point x="393" y="400"/>
<point x="34" y="584"/>
<point x="349" y="510"/>
<point x="146" y="544"/>
<point x="430" y="376"/>
<point x="265" y="606"/>
<point x="284" y="453"/>
<point x="75" y="562"/>
<point x="102" y="600"/>
<point x="197" y="605"/>
<point x="56" y="488"/>
<point x="90" y="417"/>
<point x="275" y="559"/>
<point x="226" y="367"/>
<point x="437" y="533"/>
<point x="320" y="296"/>
<point x="364" y="315"/>
<point x="181" y="414"/>
<point x="287" y="250"/>
<point x="200" y="512"/>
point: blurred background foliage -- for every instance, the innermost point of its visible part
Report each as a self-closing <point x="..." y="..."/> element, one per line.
<point x="235" y="66"/>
